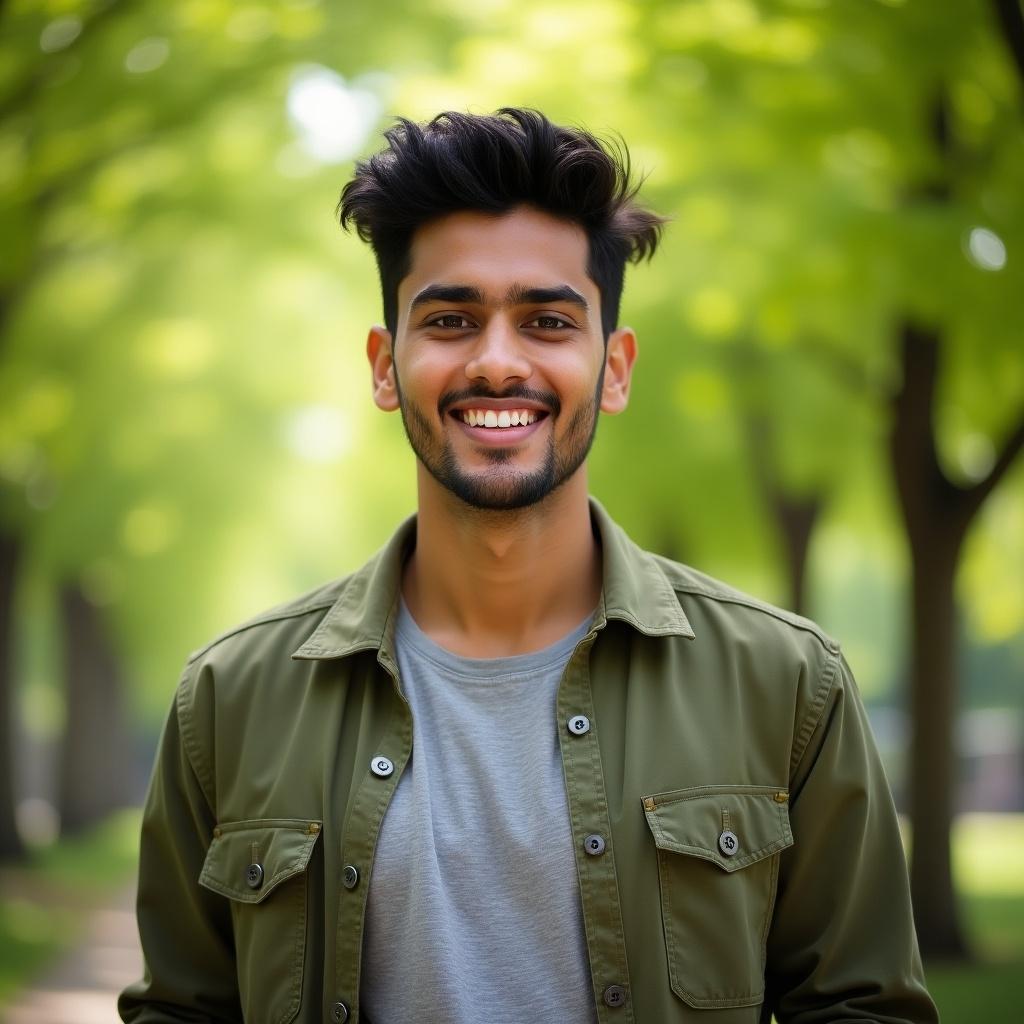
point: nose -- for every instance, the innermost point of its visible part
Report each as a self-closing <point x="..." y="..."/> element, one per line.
<point x="498" y="355"/>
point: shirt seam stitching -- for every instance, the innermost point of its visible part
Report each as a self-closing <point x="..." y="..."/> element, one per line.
<point x="191" y="745"/>
<point x="779" y="614"/>
<point x="814" y="714"/>
<point x="263" y="620"/>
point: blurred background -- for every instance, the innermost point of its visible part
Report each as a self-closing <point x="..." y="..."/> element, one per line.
<point x="828" y="410"/>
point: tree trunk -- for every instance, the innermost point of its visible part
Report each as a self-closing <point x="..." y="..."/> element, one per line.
<point x="795" y="519"/>
<point x="937" y="514"/>
<point x="795" y="516"/>
<point x="935" y="528"/>
<point x="10" y="842"/>
<point x="933" y="707"/>
<point x="96" y="761"/>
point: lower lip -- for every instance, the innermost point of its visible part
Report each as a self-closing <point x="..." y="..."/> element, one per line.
<point x="499" y="437"/>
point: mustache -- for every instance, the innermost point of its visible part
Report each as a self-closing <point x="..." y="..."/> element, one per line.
<point x="548" y="399"/>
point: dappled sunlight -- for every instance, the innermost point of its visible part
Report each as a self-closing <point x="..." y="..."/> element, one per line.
<point x="713" y="311"/>
<point x="181" y="347"/>
<point x="318" y="433"/>
<point x="149" y="528"/>
<point x="147" y="55"/>
<point x="333" y="118"/>
<point x="985" y="249"/>
<point x="60" y="33"/>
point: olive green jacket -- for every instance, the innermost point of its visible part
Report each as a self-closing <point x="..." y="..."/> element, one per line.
<point x="752" y="862"/>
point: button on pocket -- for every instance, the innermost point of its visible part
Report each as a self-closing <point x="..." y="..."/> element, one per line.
<point x="729" y="843"/>
<point x="268" y="908"/>
<point x="718" y="887"/>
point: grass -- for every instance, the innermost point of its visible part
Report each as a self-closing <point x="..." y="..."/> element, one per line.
<point x="45" y="901"/>
<point x="988" y="860"/>
<point x="979" y="994"/>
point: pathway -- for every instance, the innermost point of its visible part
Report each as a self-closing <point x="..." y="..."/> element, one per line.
<point x="82" y="986"/>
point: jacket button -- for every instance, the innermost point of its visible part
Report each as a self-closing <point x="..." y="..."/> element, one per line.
<point x="579" y="725"/>
<point x="729" y="843"/>
<point x="339" y="1013"/>
<point x="381" y="766"/>
<point x="254" y="876"/>
<point x="349" y="876"/>
<point x="594" y="845"/>
<point x="615" y="996"/>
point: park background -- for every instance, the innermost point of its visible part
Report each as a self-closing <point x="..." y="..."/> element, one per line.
<point x="828" y="409"/>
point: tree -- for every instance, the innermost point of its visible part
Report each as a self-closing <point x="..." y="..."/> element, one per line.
<point x="108" y="115"/>
<point x="937" y="513"/>
<point x="10" y="841"/>
<point x="96" y="765"/>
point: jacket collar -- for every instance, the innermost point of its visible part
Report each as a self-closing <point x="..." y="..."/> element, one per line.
<point x="635" y="590"/>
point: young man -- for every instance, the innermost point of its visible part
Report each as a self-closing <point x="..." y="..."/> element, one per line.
<point x="516" y="768"/>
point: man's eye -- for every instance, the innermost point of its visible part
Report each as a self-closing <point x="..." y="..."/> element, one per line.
<point x="548" y="323"/>
<point x="451" y="322"/>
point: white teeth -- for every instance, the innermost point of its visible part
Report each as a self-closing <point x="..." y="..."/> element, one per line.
<point x="504" y="418"/>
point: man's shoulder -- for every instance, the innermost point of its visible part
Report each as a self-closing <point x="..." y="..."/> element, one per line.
<point x="281" y="622"/>
<point x="701" y="595"/>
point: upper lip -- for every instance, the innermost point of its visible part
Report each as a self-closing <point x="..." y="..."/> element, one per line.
<point x="497" y="404"/>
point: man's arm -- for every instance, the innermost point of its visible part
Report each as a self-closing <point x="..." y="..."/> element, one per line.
<point x="185" y="929"/>
<point x="842" y="945"/>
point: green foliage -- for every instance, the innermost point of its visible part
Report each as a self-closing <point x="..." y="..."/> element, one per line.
<point x="185" y="421"/>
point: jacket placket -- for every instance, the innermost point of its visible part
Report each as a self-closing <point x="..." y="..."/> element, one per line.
<point x="589" y="817"/>
<point x="359" y="841"/>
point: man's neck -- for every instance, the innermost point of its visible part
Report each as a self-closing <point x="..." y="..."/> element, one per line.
<point x="489" y="584"/>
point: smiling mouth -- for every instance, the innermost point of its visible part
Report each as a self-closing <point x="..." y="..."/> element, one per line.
<point x="494" y="419"/>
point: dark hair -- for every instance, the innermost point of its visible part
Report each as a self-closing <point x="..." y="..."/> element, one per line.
<point x="493" y="163"/>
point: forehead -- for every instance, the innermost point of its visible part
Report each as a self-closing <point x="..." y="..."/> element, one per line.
<point x="490" y="251"/>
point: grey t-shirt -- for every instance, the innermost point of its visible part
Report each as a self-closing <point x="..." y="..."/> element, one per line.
<point x="473" y="909"/>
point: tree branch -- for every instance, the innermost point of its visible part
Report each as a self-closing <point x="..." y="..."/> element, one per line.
<point x="921" y="484"/>
<point x="852" y="373"/>
<point x="1012" y="447"/>
<point x="24" y="90"/>
<point x="1011" y="24"/>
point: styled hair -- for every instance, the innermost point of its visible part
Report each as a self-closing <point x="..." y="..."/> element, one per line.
<point x="493" y="163"/>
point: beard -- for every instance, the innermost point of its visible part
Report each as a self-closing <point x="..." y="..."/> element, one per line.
<point x="502" y="486"/>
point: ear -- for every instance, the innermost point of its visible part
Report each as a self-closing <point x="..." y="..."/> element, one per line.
<point x="382" y="366"/>
<point x="619" y="357"/>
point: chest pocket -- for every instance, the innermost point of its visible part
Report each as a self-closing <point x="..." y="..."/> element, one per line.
<point x="718" y="866"/>
<point x="260" y="866"/>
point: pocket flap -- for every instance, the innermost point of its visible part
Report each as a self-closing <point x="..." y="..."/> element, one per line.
<point x="278" y="847"/>
<point x="698" y="821"/>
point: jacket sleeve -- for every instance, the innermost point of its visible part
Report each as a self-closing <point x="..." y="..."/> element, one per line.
<point x="185" y="930"/>
<point x="842" y="945"/>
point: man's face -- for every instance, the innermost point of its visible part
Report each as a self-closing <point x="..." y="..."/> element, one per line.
<point x="499" y="365"/>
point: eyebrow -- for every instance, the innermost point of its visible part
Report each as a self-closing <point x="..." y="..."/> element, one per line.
<point x="447" y="293"/>
<point x="517" y="295"/>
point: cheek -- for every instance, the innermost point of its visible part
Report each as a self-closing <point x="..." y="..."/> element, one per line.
<point x="569" y="373"/>
<point x="418" y="376"/>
